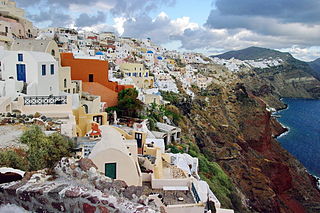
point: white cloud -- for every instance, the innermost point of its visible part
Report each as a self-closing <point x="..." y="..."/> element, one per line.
<point x="119" y="24"/>
<point x="304" y="53"/>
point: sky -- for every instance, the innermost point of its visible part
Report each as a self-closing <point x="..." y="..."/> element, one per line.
<point x="207" y="26"/>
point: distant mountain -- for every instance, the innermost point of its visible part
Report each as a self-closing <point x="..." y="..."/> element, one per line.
<point x="255" y="53"/>
<point x="315" y="65"/>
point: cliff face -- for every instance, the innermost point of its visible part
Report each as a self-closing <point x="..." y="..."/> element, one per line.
<point x="292" y="78"/>
<point x="234" y="129"/>
<point x="74" y="186"/>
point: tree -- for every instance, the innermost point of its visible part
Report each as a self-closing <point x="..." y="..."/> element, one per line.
<point x="128" y="103"/>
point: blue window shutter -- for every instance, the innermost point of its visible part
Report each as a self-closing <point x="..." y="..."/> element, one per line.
<point x="52" y="69"/>
<point x="43" y="69"/>
<point x="20" y="57"/>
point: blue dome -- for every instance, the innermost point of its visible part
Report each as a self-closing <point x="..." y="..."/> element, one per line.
<point x="159" y="58"/>
<point x="99" y="53"/>
<point x="149" y="51"/>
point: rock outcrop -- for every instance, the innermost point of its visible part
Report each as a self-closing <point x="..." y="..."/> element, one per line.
<point x="74" y="186"/>
<point x="235" y="129"/>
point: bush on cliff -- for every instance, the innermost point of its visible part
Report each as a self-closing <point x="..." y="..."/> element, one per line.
<point x="155" y="113"/>
<point x="43" y="151"/>
<point x="15" y="159"/>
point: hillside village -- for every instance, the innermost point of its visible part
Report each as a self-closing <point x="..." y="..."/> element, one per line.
<point x="70" y="81"/>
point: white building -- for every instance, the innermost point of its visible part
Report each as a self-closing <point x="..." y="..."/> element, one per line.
<point x="34" y="73"/>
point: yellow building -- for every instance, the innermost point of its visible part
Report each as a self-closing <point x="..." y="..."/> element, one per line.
<point x="139" y="75"/>
<point x="84" y="120"/>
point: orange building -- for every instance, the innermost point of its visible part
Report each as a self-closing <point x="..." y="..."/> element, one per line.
<point x="107" y="95"/>
<point x="93" y="70"/>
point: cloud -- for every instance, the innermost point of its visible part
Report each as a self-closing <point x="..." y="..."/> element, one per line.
<point x="161" y="30"/>
<point x="291" y="25"/>
<point x="128" y="8"/>
<point x="135" y="7"/>
<point x="53" y="16"/>
<point x="63" y="3"/>
<point x="306" y="11"/>
<point x="79" y="10"/>
<point x="305" y="54"/>
<point x="85" y="20"/>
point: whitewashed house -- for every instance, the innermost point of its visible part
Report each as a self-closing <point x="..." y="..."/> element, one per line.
<point x="35" y="73"/>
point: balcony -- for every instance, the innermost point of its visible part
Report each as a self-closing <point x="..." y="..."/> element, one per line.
<point x="45" y="100"/>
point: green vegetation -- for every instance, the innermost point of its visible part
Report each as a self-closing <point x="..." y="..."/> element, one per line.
<point x="173" y="98"/>
<point x="212" y="173"/>
<point x="15" y="159"/>
<point x="43" y="151"/>
<point x="155" y="113"/>
<point x="179" y="63"/>
<point x="128" y="103"/>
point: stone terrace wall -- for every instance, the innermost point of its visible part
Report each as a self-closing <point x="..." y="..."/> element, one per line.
<point x="77" y="187"/>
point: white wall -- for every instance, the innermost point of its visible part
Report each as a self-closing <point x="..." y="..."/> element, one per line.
<point x="38" y="84"/>
<point x="48" y="84"/>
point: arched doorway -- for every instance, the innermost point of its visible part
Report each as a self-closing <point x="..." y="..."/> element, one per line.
<point x="86" y="108"/>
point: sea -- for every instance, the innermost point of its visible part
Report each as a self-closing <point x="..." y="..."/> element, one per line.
<point x="302" y="118"/>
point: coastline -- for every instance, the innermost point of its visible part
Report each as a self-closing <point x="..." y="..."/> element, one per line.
<point x="285" y="129"/>
<point x="315" y="178"/>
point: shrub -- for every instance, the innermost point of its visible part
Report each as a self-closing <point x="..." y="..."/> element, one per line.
<point x="44" y="151"/>
<point x="13" y="159"/>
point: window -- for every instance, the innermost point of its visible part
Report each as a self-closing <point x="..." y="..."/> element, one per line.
<point x="43" y="69"/>
<point x="20" y="57"/>
<point x="147" y="74"/>
<point x="65" y="83"/>
<point x="6" y="29"/>
<point x="52" y="69"/>
<point x="140" y="74"/>
<point x="138" y="137"/>
<point x="129" y="74"/>
<point x="53" y="53"/>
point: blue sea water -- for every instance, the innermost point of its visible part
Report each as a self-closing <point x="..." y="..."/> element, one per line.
<point x="302" y="117"/>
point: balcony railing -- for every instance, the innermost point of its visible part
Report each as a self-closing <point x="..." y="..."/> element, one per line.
<point x="195" y="193"/>
<point x="45" y="100"/>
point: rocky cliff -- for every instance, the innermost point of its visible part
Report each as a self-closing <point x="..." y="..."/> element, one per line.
<point x="231" y="126"/>
<point x="74" y="186"/>
<point x="291" y="78"/>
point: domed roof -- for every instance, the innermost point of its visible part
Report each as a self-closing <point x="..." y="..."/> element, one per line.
<point x="99" y="53"/>
<point x="149" y="51"/>
<point x="159" y="58"/>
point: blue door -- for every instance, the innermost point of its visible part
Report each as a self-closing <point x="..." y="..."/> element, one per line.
<point x="21" y="72"/>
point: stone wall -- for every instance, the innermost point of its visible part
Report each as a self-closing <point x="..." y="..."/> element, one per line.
<point x="74" y="186"/>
